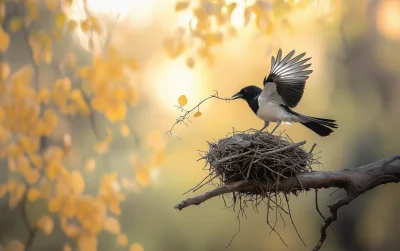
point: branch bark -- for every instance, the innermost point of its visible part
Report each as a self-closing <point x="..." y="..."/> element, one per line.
<point x="355" y="181"/>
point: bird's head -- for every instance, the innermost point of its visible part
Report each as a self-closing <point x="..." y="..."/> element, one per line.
<point x="248" y="93"/>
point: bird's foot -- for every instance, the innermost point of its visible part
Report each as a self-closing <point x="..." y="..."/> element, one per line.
<point x="259" y="132"/>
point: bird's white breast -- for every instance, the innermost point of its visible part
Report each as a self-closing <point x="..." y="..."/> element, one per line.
<point x="271" y="111"/>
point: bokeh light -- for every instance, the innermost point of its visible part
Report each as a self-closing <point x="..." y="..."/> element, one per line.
<point x="388" y="19"/>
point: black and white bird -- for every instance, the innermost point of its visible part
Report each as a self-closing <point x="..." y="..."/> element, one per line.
<point x="283" y="89"/>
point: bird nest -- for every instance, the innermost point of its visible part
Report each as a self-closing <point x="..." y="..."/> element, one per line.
<point x="256" y="169"/>
<point x="264" y="159"/>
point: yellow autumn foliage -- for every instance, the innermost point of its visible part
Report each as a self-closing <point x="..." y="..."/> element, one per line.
<point x="136" y="247"/>
<point x="122" y="240"/>
<point x="15" y="245"/>
<point x="111" y="224"/>
<point x="4" y="40"/>
<point x="46" y="224"/>
<point x="39" y="97"/>
<point x="33" y="194"/>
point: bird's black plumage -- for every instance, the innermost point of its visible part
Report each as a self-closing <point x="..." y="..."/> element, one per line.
<point x="290" y="77"/>
<point x="318" y="125"/>
<point x="250" y="94"/>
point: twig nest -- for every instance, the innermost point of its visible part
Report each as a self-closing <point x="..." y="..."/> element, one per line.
<point x="264" y="158"/>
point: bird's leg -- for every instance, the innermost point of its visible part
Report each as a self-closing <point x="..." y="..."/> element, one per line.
<point x="266" y="124"/>
<point x="278" y="123"/>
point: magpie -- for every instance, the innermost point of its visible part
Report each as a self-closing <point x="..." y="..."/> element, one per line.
<point x="283" y="90"/>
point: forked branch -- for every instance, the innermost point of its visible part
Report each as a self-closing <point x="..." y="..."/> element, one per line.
<point x="354" y="181"/>
<point x="183" y="118"/>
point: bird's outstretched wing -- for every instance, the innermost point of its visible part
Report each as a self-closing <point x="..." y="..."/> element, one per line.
<point x="290" y="77"/>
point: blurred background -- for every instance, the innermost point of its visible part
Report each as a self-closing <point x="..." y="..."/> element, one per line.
<point x="193" y="48"/>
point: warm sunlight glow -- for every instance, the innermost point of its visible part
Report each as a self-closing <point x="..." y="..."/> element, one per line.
<point x="171" y="79"/>
<point x="388" y="19"/>
<point x="237" y="17"/>
<point x="138" y="13"/>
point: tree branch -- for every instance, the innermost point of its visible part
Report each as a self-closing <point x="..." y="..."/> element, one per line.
<point x="30" y="228"/>
<point x="354" y="181"/>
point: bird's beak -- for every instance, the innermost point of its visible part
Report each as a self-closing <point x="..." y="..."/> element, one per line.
<point x="237" y="95"/>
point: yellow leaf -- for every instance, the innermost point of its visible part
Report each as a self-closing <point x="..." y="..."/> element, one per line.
<point x="76" y="95"/>
<point x="11" y="185"/>
<point x="116" y="112"/>
<point x="36" y="159"/>
<point x="182" y="100"/>
<point x="53" y="169"/>
<point x="101" y="147"/>
<point x="87" y="242"/>
<point x="43" y="96"/>
<point x="53" y="153"/>
<point x="33" y="9"/>
<point x="85" y="26"/>
<point x="173" y="48"/>
<point x="72" y="25"/>
<point x="15" y="245"/>
<point x="12" y="165"/>
<point x="50" y="117"/>
<point x="3" y="190"/>
<point x="52" y="5"/>
<point x="72" y="231"/>
<point x="143" y="176"/>
<point x="57" y="34"/>
<point x="197" y="114"/>
<point x="4" y="71"/>
<point x="124" y="130"/>
<point x="90" y="165"/>
<point x="54" y="205"/>
<point x="61" y="18"/>
<point x="47" y="55"/>
<point x="16" y="24"/>
<point x="67" y="142"/>
<point x="68" y="3"/>
<point x="136" y="247"/>
<point x="33" y="194"/>
<point x="181" y="5"/>
<point x="77" y="183"/>
<point x="46" y="224"/>
<point x="2" y="114"/>
<point x="122" y="240"/>
<point x="133" y="64"/>
<point x="190" y="62"/>
<point x="112" y="225"/>
<point x="95" y="24"/>
<point x="31" y="175"/>
<point x="4" y="40"/>
<point x="2" y="11"/>
<point x="159" y="158"/>
<point x="70" y="207"/>
<point x="114" y="207"/>
<point x="46" y="188"/>
<point x="67" y="247"/>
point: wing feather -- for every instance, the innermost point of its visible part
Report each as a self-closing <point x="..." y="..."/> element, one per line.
<point x="290" y="75"/>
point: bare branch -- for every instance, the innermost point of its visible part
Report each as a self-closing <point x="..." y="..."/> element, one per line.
<point x="354" y="181"/>
<point x="183" y="118"/>
<point x="31" y="228"/>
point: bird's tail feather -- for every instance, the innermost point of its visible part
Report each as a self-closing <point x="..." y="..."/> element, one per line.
<point x="321" y="130"/>
<point x="319" y="125"/>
